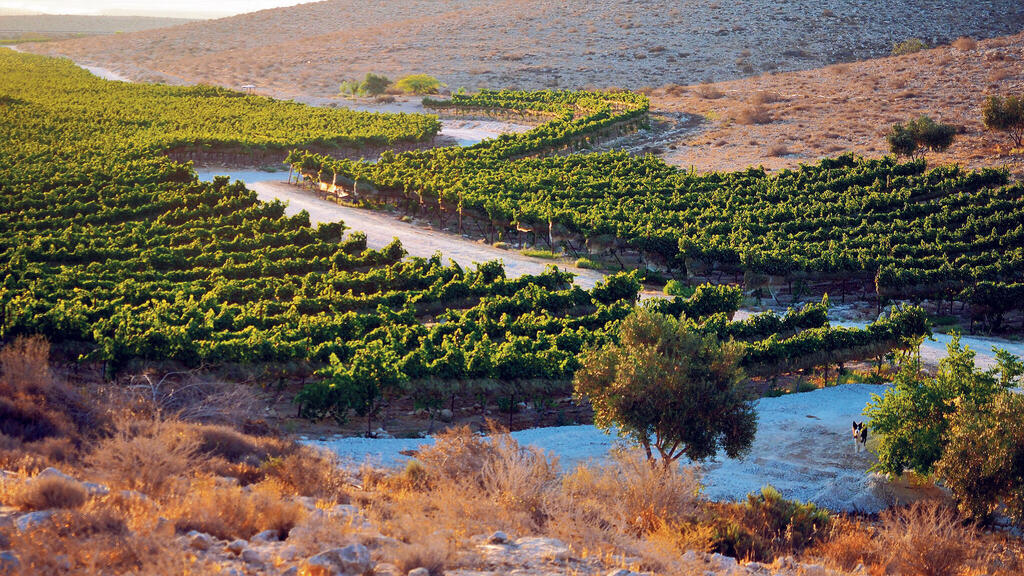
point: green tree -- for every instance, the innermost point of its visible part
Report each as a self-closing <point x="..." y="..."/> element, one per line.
<point x="418" y="84"/>
<point x="374" y="84"/>
<point x="912" y="418"/>
<point x="983" y="463"/>
<point x="1005" y="115"/>
<point x="923" y="132"/>
<point x="669" y="388"/>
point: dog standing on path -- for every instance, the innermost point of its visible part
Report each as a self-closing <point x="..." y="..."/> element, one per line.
<point x="860" y="436"/>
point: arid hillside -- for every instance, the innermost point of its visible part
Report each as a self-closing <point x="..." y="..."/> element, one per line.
<point x="38" y="27"/>
<point x="309" y="49"/>
<point x="779" y="120"/>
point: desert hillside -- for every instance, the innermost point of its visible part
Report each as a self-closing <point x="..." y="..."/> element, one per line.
<point x="311" y="48"/>
<point x="38" y="27"/>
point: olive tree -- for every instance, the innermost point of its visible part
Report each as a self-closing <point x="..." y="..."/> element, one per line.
<point x="1005" y="115"/>
<point x="670" y="388"/>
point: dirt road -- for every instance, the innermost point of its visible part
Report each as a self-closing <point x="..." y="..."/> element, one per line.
<point x="381" y="228"/>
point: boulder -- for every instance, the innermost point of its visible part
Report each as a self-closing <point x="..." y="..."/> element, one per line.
<point x="199" y="540"/>
<point x="253" y="556"/>
<point x="9" y="562"/>
<point x="33" y="520"/>
<point x="54" y="473"/>
<point x="543" y="549"/>
<point x="267" y="536"/>
<point x="419" y="572"/>
<point x="446" y="415"/>
<point x="353" y="560"/>
<point x="95" y="489"/>
<point x="237" y="546"/>
<point x="498" y="537"/>
<point x="813" y="570"/>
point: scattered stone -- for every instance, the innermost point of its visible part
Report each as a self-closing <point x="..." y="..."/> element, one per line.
<point x="288" y="553"/>
<point x="33" y="520"/>
<point x="353" y="560"/>
<point x="54" y="473"/>
<point x="237" y="546"/>
<point x="419" y="572"/>
<point x="544" y="548"/>
<point x="253" y="556"/>
<point x="382" y="434"/>
<point x="446" y="415"/>
<point x="813" y="570"/>
<point x="267" y="536"/>
<point x="620" y="572"/>
<point x="95" y="489"/>
<point x="756" y="567"/>
<point x="498" y="537"/>
<point x="199" y="540"/>
<point x="692" y="556"/>
<point x="8" y="562"/>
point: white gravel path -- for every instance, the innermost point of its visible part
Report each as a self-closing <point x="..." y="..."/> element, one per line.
<point x="803" y="447"/>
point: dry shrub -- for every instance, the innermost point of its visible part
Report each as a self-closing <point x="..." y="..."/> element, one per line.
<point x="46" y="493"/>
<point x="965" y="44"/>
<point x="519" y="479"/>
<point x="310" y="472"/>
<point x="926" y="539"/>
<point x="150" y="459"/>
<point x="850" y="543"/>
<point x="708" y="92"/>
<point x="231" y="512"/>
<point x="434" y="554"/>
<point x="25" y="367"/>
<point x="612" y="505"/>
<point x="762" y="97"/>
<point x="999" y="75"/>
<point x="674" y="90"/>
<point x="777" y="150"/>
<point x="753" y="115"/>
<point x="96" y="540"/>
<point x="224" y="442"/>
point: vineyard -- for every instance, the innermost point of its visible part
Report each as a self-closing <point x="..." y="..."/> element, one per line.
<point x="109" y="247"/>
<point x="870" y="228"/>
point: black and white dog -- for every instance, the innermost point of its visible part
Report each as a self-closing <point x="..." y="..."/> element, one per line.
<point x="860" y="436"/>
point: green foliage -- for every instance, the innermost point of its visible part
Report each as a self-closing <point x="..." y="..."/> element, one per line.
<point x="349" y="88"/>
<point x="1005" y="115"/>
<point x="418" y="84"/>
<point x="374" y="85"/>
<point x="912" y="418"/>
<point x="670" y="388"/>
<point x="587" y="263"/>
<point x="908" y="46"/>
<point x="768" y="525"/>
<point x="677" y="288"/>
<point x="904" y="140"/>
<point x="539" y="253"/>
<point x="982" y="464"/>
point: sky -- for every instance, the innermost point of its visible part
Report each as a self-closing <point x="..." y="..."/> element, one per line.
<point x="175" y="8"/>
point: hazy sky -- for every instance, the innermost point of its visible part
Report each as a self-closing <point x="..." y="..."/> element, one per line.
<point x="180" y="8"/>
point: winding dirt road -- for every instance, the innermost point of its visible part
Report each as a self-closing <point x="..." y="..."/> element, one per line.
<point x="381" y="229"/>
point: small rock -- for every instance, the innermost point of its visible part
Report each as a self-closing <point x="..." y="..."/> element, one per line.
<point x="353" y="560"/>
<point x="54" y="473"/>
<point x="620" y="572"/>
<point x="755" y="567"/>
<point x="382" y="434"/>
<point x="544" y="548"/>
<point x="95" y="489"/>
<point x="267" y="536"/>
<point x="860" y="569"/>
<point x="419" y="572"/>
<point x="308" y="502"/>
<point x="498" y="537"/>
<point x="33" y="520"/>
<point x="446" y="415"/>
<point x="8" y="562"/>
<point x="199" y="540"/>
<point x="293" y="571"/>
<point x="723" y="563"/>
<point x="813" y="570"/>
<point x="288" y="553"/>
<point x="133" y="495"/>
<point x="691" y="556"/>
<point x="344" y="510"/>
<point x="253" y="556"/>
<point x="237" y="546"/>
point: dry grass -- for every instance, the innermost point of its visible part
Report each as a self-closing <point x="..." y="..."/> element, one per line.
<point x="762" y="97"/>
<point x="434" y="554"/>
<point x="150" y="460"/>
<point x="926" y="539"/>
<point x="777" y="150"/>
<point x="45" y="493"/>
<point x="708" y="92"/>
<point x="230" y="512"/>
<point x="965" y="44"/>
<point x="752" y="115"/>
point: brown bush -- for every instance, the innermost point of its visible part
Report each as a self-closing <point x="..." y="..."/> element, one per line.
<point x="149" y="460"/>
<point x="849" y="544"/>
<point x="777" y="150"/>
<point x="230" y="512"/>
<point x="708" y="92"/>
<point x="965" y="44"/>
<point x="433" y="554"/>
<point x="25" y="366"/>
<point x="926" y="539"/>
<point x="309" y="472"/>
<point x="762" y="97"/>
<point x="753" y="115"/>
<point x="47" y="493"/>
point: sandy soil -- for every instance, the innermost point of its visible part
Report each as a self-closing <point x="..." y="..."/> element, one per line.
<point x="311" y="48"/>
<point x="381" y="228"/>
<point x="803" y="447"/>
